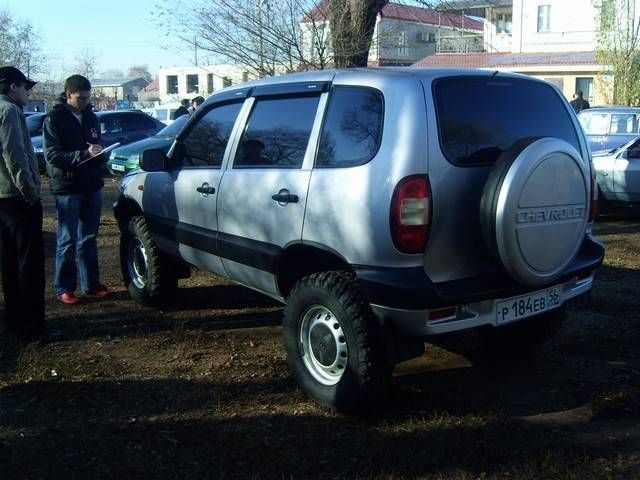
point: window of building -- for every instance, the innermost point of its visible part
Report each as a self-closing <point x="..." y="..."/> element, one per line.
<point x="205" y="144"/>
<point x="277" y="132"/>
<point x="172" y="84"/>
<point x="503" y="23"/>
<point x="352" y="128"/>
<point x="544" y="18"/>
<point x="403" y="45"/>
<point x="192" y="83"/>
<point x="585" y="84"/>
<point x="226" y="82"/>
<point x="209" y="82"/>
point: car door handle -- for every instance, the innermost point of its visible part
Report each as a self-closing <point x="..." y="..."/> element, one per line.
<point x="283" y="196"/>
<point x="205" y="189"/>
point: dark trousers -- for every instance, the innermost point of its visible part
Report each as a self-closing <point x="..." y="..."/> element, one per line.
<point x="22" y="265"/>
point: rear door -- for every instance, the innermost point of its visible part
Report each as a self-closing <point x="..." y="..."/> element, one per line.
<point x="263" y="194"/>
<point x="626" y="174"/>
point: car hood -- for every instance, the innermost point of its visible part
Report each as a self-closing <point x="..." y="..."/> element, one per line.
<point x="136" y="148"/>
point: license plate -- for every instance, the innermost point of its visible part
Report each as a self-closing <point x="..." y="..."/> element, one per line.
<point x="525" y="306"/>
<point x="119" y="168"/>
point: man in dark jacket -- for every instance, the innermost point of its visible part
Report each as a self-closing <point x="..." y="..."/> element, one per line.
<point x="21" y="244"/>
<point x="578" y="103"/>
<point x="74" y="164"/>
<point x="182" y="109"/>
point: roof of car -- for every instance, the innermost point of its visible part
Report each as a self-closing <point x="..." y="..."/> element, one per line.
<point x="612" y="108"/>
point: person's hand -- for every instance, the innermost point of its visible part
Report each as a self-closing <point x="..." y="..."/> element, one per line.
<point x="94" y="149"/>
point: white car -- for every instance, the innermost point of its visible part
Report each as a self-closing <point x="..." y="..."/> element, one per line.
<point x="618" y="173"/>
<point x="165" y="113"/>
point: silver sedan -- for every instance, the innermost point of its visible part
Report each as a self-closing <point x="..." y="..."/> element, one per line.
<point x="618" y="173"/>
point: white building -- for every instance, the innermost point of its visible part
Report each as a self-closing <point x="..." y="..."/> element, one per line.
<point x="176" y="83"/>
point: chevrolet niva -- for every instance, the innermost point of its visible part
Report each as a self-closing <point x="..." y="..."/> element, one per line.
<point x="381" y="206"/>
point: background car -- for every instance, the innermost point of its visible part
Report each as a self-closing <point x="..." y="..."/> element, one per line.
<point x="164" y="113"/>
<point x="126" y="158"/>
<point x="618" y="173"/>
<point x="34" y="123"/>
<point x="609" y="127"/>
<point x="123" y="126"/>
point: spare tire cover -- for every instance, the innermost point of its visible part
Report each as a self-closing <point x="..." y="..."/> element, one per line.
<point x="534" y="209"/>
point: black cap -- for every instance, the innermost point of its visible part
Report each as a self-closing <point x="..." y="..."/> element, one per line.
<point x="13" y="75"/>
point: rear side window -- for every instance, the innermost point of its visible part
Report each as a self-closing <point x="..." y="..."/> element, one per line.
<point x="206" y="142"/>
<point x="134" y="121"/>
<point x="624" y="123"/>
<point x="594" y="123"/>
<point x="480" y="117"/>
<point x="352" y="127"/>
<point x="277" y="132"/>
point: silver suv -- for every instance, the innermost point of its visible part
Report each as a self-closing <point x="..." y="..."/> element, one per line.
<point x="381" y="206"/>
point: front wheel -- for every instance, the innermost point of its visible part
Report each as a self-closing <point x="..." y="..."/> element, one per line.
<point x="334" y="344"/>
<point x="144" y="270"/>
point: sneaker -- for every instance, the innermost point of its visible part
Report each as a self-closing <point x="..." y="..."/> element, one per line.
<point x="68" y="298"/>
<point x="101" y="291"/>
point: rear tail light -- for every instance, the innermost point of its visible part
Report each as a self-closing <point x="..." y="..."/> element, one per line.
<point x="411" y="214"/>
<point x="593" y="210"/>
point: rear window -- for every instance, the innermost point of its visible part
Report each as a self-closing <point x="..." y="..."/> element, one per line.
<point x="480" y="117"/>
<point x="594" y="123"/>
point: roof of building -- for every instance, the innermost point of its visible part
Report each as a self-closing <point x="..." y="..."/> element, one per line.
<point x="462" y="4"/>
<point x="154" y="86"/>
<point x="114" y="82"/>
<point x="409" y="13"/>
<point x="507" y="60"/>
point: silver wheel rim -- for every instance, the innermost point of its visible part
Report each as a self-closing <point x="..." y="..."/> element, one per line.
<point x="323" y="345"/>
<point x="137" y="263"/>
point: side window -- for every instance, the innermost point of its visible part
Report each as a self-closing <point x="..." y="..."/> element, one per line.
<point x="594" y="123"/>
<point x="352" y="127"/>
<point x="624" y="123"/>
<point x="206" y="142"/>
<point x="133" y="121"/>
<point x="277" y="133"/>
<point x="110" y="124"/>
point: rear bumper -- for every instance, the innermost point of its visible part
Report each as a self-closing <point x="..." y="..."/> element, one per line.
<point x="405" y="296"/>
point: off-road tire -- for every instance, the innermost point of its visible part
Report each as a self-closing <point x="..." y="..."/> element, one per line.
<point x="366" y="371"/>
<point x="522" y="337"/>
<point x="160" y="282"/>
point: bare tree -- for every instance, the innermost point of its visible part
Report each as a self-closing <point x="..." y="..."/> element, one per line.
<point x="86" y="63"/>
<point x="20" y="45"/>
<point x="618" y="49"/>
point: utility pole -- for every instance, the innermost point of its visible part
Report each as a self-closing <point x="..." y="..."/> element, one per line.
<point x="195" y="50"/>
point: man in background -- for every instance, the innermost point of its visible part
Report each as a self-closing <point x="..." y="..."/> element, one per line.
<point x="182" y="109"/>
<point x="72" y="146"/>
<point x="578" y="103"/>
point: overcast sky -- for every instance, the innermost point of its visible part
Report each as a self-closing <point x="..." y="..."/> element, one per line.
<point x="120" y="32"/>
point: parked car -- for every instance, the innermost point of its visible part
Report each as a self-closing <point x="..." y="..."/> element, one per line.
<point x="124" y="126"/>
<point x="165" y="113"/>
<point x="126" y="158"/>
<point x="609" y="127"/>
<point x="618" y="173"/>
<point x="382" y="206"/>
<point x="34" y="123"/>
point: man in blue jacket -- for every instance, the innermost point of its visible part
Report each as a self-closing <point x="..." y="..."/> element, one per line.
<point x="21" y="243"/>
<point x="72" y="147"/>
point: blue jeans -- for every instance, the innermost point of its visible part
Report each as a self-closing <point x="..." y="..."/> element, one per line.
<point x="76" y="239"/>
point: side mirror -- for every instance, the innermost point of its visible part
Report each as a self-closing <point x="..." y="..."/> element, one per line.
<point x="154" y="161"/>
<point x="624" y="154"/>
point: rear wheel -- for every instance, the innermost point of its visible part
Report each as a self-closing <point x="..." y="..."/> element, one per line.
<point x="334" y="344"/>
<point x="146" y="272"/>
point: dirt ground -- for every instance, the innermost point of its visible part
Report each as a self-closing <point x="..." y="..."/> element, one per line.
<point x="202" y="390"/>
